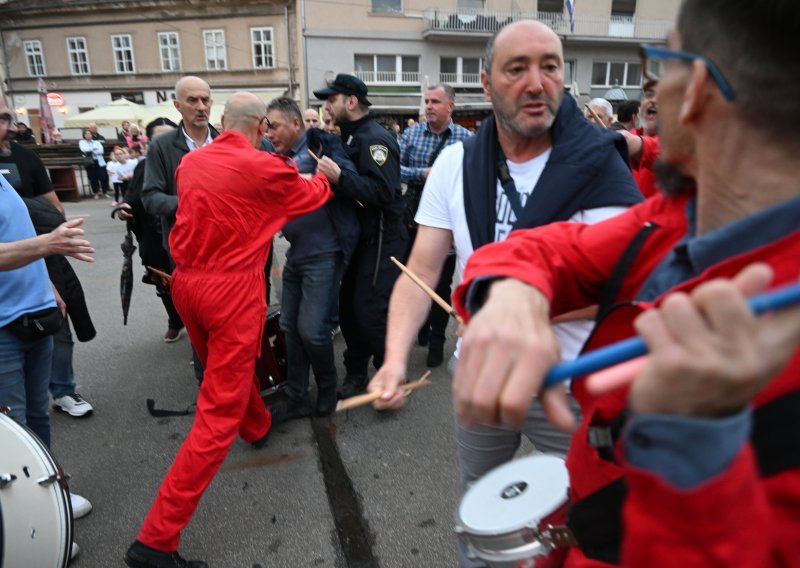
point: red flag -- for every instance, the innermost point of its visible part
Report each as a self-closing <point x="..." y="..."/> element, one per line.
<point x="45" y="113"/>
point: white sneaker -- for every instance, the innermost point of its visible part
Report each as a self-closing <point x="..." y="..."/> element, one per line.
<point x="80" y="505"/>
<point x="73" y="404"/>
<point x="74" y="551"/>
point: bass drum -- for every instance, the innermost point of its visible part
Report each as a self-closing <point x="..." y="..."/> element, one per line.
<point x="35" y="510"/>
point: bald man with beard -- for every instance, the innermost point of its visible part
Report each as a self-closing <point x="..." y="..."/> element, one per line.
<point x="232" y="199"/>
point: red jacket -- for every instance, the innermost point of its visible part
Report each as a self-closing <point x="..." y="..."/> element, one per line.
<point x="642" y="168"/>
<point x="232" y="199"/>
<point x="737" y="518"/>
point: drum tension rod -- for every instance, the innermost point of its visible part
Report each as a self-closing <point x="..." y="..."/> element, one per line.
<point x="6" y="478"/>
<point x="59" y="476"/>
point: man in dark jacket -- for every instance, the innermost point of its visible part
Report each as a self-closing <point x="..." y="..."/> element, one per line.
<point x="147" y="229"/>
<point x="322" y="243"/>
<point x="369" y="279"/>
<point x="159" y="192"/>
<point x="535" y="161"/>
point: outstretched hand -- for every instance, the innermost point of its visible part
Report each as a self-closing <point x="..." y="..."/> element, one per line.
<point x="63" y="240"/>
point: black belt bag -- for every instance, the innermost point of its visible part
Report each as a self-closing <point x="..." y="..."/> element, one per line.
<point x="36" y="325"/>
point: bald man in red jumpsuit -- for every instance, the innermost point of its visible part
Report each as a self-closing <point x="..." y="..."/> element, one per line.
<point x="232" y="200"/>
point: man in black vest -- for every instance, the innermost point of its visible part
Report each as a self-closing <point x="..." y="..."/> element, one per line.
<point x="368" y="281"/>
<point x="535" y="161"/>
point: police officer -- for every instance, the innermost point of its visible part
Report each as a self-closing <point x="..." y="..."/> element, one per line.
<point x="368" y="281"/>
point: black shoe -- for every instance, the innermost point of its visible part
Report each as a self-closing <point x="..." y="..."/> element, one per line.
<point x="353" y="385"/>
<point x="141" y="556"/>
<point x="326" y="401"/>
<point x="278" y="414"/>
<point x="424" y="335"/>
<point x="435" y="355"/>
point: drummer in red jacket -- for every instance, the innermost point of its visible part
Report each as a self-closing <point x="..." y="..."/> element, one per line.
<point x="698" y="463"/>
<point x="232" y="199"/>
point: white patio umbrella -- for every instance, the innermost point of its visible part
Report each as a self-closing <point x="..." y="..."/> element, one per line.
<point x="111" y="114"/>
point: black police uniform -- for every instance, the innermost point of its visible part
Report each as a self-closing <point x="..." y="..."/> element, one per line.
<point x="370" y="277"/>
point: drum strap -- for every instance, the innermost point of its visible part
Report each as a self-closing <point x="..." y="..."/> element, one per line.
<point x="596" y="522"/>
<point x="774" y="436"/>
<point x="162" y="413"/>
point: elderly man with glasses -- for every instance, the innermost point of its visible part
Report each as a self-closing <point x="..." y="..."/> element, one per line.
<point x="697" y="463"/>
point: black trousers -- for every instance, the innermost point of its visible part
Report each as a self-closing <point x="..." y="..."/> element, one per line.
<point x="436" y="325"/>
<point x="364" y="300"/>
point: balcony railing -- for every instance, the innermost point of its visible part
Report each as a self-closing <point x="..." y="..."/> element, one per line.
<point x="484" y="22"/>
<point x="395" y="77"/>
<point x="460" y="78"/>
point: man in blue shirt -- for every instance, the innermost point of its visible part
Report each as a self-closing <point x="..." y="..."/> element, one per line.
<point x="419" y="147"/>
<point x="312" y="274"/>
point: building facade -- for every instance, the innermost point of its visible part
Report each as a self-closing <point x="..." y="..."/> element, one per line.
<point x="398" y="46"/>
<point x="90" y="52"/>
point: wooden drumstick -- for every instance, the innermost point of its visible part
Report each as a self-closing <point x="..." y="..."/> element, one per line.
<point x="313" y="155"/>
<point x="427" y="289"/>
<point x="597" y="118"/>
<point x="589" y="312"/>
<point x="363" y="399"/>
<point x="165" y="278"/>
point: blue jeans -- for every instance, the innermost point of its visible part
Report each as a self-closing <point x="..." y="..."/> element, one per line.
<point x="24" y="378"/>
<point x="62" y="378"/>
<point x="309" y="314"/>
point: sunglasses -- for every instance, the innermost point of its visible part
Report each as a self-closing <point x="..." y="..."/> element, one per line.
<point x="651" y="56"/>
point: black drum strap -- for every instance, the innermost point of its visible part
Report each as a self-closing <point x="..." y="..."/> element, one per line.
<point x="596" y="522"/>
<point x="775" y="430"/>
<point x="609" y="295"/>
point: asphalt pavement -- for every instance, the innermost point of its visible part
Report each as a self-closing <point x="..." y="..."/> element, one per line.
<point x="363" y="489"/>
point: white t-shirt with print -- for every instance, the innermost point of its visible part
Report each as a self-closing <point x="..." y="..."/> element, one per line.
<point x="442" y="207"/>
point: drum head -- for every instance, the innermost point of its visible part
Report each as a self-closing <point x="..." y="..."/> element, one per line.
<point x="36" y="517"/>
<point x="514" y="495"/>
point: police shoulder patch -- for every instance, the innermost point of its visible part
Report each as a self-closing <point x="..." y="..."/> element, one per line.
<point x="379" y="153"/>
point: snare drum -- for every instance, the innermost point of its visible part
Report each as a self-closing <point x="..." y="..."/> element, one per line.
<point x="513" y="516"/>
<point x="35" y="510"/>
<point x="271" y="365"/>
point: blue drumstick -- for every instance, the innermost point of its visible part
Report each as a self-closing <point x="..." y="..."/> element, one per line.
<point x="634" y="347"/>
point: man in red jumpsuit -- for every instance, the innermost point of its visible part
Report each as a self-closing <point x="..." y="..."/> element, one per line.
<point x="232" y="200"/>
<point x="697" y="464"/>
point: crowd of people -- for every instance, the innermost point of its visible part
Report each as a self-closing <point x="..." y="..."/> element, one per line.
<point x="569" y="228"/>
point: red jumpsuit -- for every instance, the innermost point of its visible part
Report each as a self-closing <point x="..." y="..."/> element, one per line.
<point x="738" y="518"/>
<point x="232" y="200"/>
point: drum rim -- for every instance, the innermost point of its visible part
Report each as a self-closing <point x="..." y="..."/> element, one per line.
<point x="462" y="528"/>
<point x="53" y="467"/>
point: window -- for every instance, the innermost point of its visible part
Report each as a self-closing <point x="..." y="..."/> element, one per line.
<point x="170" y="50"/>
<point x="470" y="5"/>
<point x="35" y="58"/>
<point x="390" y="6"/>
<point x="216" y="57"/>
<point x="123" y="53"/>
<point x="387" y="68"/>
<point x="78" y="55"/>
<point x="569" y="73"/>
<point x="623" y="7"/>
<point x="262" y="48"/>
<point x="556" y="6"/>
<point x="608" y="74"/>
<point x="460" y="70"/>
